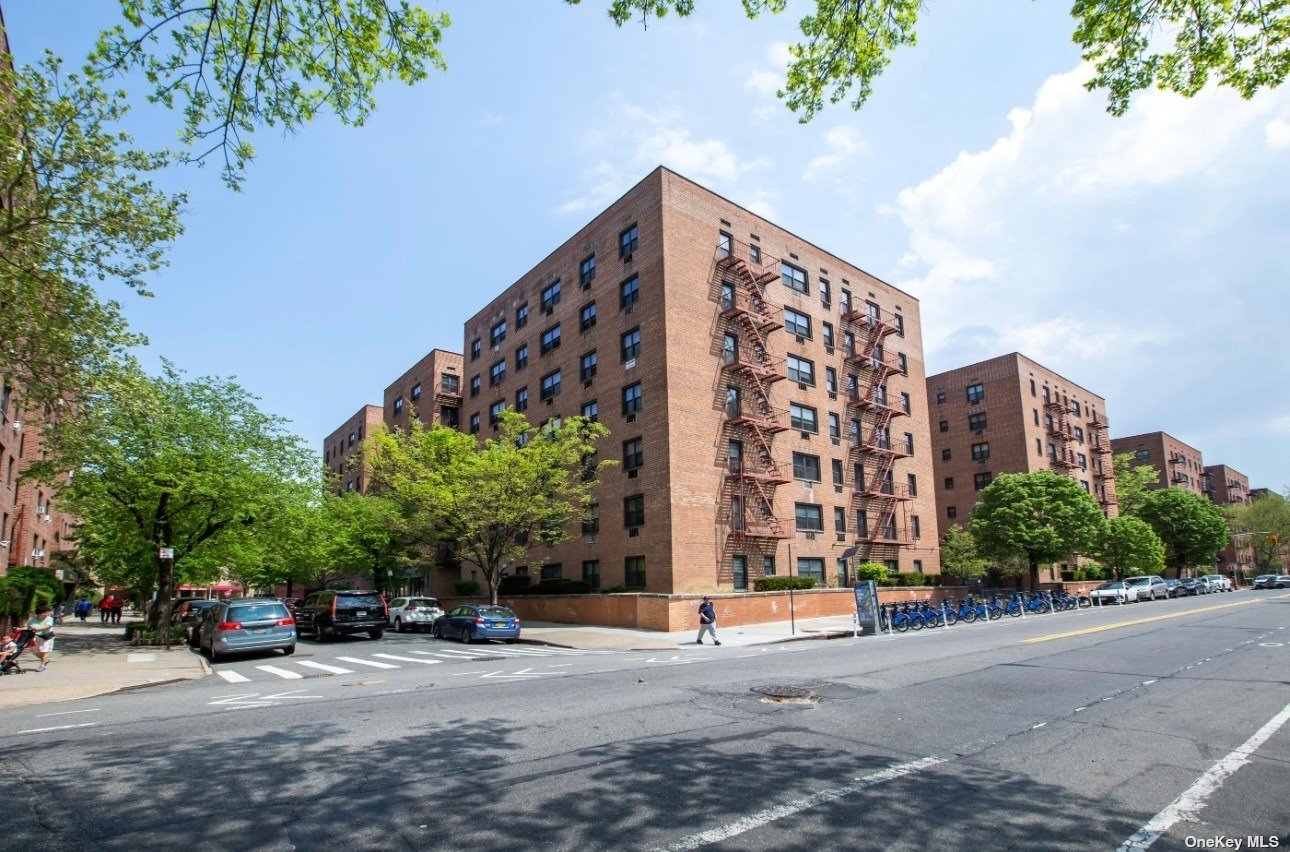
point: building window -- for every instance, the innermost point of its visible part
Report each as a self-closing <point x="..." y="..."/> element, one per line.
<point x="1035" y="412"/>
<point x="837" y="471"/>
<point x="550" y="385"/>
<point x="975" y="393"/>
<point x="631" y="344"/>
<point x="1083" y="460"/>
<point x="588" y="366"/>
<point x="1079" y="434"/>
<point x="522" y="316"/>
<point x="1075" y="407"/>
<point x="591" y="520"/>
<point x="587" y="271"/>
<point x="550" y="297"/>
<point x="475" y="348"/>
<point x="976" y="422"/>
<point x="900" y="324"/>
<point x="415" y="393"/>
<point x="794" y="278"/>
<point x="633" y="454"/>
<point x="398" y="405"/>
<point x="949" y="483"/>
<point x="835" y="426"/>
<point x="754" y="253"/>
<point x="848" y="343"/>
<point x="725" y="244"/>
<point x="522" y="399"/>
<point x="810" y="566"/>
<point x="550" y="339"/>
<point x="591" y="573"/>
<point x="945" y="454"/>
<point x="826" y="333"/>
<point x="634" y="571"/>
<point x="945" y="425"/>
<point x="632" y="400"/>
<point x="830" y="379"/>
<point x="981" y="451"/>
<point x="940" y="397"/>
<point x="1141" y="455"/>
<point x="587" y="317"/>
<point x="905" y="405"/>
<point x="797" y="323"/>
<point x="495" y="412"/>
<point x="839" y="520"/>
<point x="497" y="373"/>
<point x="913" y="485"/>
<point x="909" y="443"/>
<point x="497" y="333"/>
<point x="474" y="386"/>
<point x="629" y="292"/>
<point x="951" y="511"/>
<point x="802" y="418"/>
<point x="627" y="242"/>
<point x="768" y="566"/>
<point x="903" y="361"/>
<point x="634" y="511"/>
<point x="916" y="526"/>
<point x="1033" y="392"/>
<point x="981" y="480"/>
<point x="474" y="423"/>
<point x="826" y="292"/>
<point x="806" y="467"/>
<point x="591" y="411"/>
<point x="1039" y="448"/>
<point x="801" y="370"/>
<point x="810" y="517"/>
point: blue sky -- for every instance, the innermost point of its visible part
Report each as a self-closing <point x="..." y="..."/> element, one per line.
<point x="1142" y="257"/>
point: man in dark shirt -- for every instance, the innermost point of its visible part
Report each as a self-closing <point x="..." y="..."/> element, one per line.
<point x="707" y="621"/>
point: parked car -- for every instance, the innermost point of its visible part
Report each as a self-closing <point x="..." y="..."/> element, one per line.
<point x="414" y="613"/>
<point x="1281" y="582"/>
<point x="335" y="612"/>
<point x="471" y="622"/>
<point x="1264" y="581"/>
<point x="189" y="616"/>
<point x="1195" y="586"/>
<point x="244" y="625"/>
<point x="1114" y="592"/>
<point x="1218" y="582"/>
<point x="1175" y="587"/>
<point x="1148" y="587"/>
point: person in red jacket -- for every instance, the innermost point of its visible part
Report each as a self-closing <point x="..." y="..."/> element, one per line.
<point x="105" y="608"/>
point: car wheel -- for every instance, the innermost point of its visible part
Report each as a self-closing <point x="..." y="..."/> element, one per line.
<point x="320" y="635"/>
<point x="376" y="634"/>
<point x="465" y="636"/>
<point x="398" y="626"/>
<point x="435" y="632"/>
<point x="289" y="650"/>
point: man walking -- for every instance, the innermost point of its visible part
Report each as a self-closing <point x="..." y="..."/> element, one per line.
<point x="707" y="622"/>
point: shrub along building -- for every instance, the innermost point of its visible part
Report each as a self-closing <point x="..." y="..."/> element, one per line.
<point x="1013" y="415"/>
<point x="765" y="397"/>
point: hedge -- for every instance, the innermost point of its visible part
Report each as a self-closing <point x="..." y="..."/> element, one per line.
<point x="779" y="584"/>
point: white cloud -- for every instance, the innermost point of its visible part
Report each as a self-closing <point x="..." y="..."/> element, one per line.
<point x="765" y="83"/>
<point x="842" y="144"/>
<point x="1278" y="425"/>
<point x="1277" y="134"/>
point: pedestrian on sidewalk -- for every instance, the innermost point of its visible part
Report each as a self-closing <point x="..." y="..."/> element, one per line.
<point x="83" y="607"/>
<point x="105" y="608"/>
<point x="707" y="622"/>
<point x="43" y="624"/>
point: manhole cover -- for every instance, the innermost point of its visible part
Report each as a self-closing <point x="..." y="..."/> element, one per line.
<point x="782" y="692"/>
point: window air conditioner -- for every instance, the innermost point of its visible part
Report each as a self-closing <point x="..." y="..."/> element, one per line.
<point x="810" y="536"/>
<point x="40" y="510"/>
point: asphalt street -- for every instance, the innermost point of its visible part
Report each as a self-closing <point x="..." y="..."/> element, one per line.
<point x="1160" y="725"/>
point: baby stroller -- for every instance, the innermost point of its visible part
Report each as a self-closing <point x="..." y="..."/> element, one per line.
<point x="11" y="665"/>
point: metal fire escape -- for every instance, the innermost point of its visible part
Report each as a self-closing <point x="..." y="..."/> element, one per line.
<point x="1104" y="474"/>
<point x="1061" y="434"/>
<point x="746" y="318"/>
<point x="876" y="497"/>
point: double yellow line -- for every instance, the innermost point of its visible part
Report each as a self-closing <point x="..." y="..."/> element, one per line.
<point x="1136" y="621"/>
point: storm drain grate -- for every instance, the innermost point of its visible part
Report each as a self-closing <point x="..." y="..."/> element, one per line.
<point x="783" y="693"/>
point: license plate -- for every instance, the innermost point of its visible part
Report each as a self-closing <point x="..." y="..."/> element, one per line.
<point x="259" y="630"/>
<point x="362" y="613"/>
<point x="499" y="624"/>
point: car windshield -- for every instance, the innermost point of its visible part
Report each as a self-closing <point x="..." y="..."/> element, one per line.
<point x="495" y="612"/>
<point x="257" y="612"/>
<point x="359" y="601"/>
<point x="1116" y="585"/>
<point x="423" y="602"/>
<point x="1140" y="581"/>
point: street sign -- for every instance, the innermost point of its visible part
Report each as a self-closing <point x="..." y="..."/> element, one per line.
<point x="166" y="553"/>
<point x="867" y="606"/>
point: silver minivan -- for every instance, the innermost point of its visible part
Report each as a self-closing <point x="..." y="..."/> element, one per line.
<point x="247" y="624"/>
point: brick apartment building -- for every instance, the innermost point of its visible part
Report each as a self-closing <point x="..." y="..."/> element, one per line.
<point x="1178" y="465"/>
<point x="1228" y="487"/>
<point x="346" y="443"/>
<point x="430" y="390"/>
<point x="765" y="398"/>
<point x="1013" y="415"/>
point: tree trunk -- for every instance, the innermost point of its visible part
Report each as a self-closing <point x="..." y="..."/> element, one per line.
<point x="161" y="612"/>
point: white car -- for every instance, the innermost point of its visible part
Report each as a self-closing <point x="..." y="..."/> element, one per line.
<point x="1148" y="587"/>
<point x="1114" y="592"/>
<point x="1218" y="583"/>
<point x="414" y="613"/>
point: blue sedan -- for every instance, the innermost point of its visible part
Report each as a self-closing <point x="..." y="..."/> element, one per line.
<point x="473" y="622"/>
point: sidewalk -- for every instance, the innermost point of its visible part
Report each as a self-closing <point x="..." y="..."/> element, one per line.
<point x="628" y="639"/>
<point x="92" y="659"/>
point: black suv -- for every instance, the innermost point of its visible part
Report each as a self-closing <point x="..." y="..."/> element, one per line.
<point x="331" y="613"/>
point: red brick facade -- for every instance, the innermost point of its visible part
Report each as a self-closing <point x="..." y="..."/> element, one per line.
<point x="1228" y="487"/>
<point x="346" y="443"/>
<point x="430" y="390"/>
<point x="1178" y="465"/>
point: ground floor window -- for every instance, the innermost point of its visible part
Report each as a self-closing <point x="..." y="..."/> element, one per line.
<point x="810" y="566"/>
<point x="634" y="572"/>
<point x="768" y="566"/>
<point x="591" y="573"/>
<point x="739" y="567"/>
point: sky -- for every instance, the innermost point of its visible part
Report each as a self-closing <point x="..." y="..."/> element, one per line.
<point x="1143" y="257"/>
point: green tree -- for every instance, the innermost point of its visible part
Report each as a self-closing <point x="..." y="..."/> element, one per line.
<point x="233" y="66"/>
<point x="1192" y="528"/>
<point x="848" y="43"/>
<point x="1040" y="516"/>
<point x="1128" y="545"/>
<point x="166" y="462"/>
<point x="1132" y="482"/>
<point x="494" y="498"/>
<point x="960" y="558"/>
<point x="369" y="534"/>
<point x="875" y="571"/>
<point x="24" y="587"/>
<point x="78" y="208"/>
<point x="1265" y="516"/>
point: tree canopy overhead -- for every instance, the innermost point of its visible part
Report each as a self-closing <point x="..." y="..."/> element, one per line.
<point x="1175" y="45"/>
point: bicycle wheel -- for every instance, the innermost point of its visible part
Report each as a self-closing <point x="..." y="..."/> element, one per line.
<point x="969" y="616"/>
<point x="950" y="617"/>
<point x="900" y="624"/>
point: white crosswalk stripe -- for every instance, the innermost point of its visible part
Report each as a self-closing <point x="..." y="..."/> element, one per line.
<point x="371" y="663"/>
<point x="408" y="659"/>
<point x="286" y="674"/>
<point x="324" y="667"/>
<point x="232" y="677"/>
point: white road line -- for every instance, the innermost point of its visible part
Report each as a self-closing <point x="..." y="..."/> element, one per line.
<point x="65" y="713"/>
<point x="232" y="677"/>
<point x="286" y="674"/>
<point x="1187" y="805"/>
<point x="408" y="659"/>
<point x="371" y="663"/>
<point x="57" y="728"/>
<point x="324" y="667"/>
<point x="796" y="806"/>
